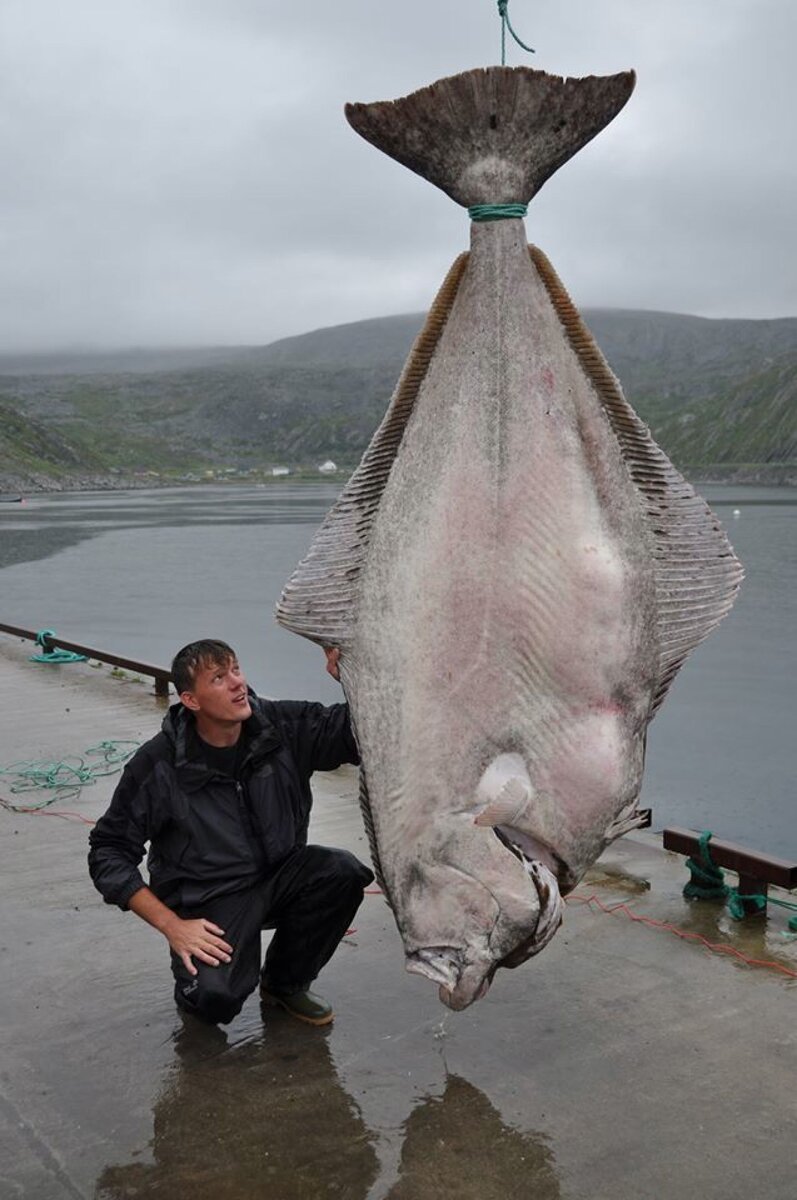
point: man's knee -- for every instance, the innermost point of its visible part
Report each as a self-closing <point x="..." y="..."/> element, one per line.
<point x="208" y="998"/>
<point x="341" y="869"/>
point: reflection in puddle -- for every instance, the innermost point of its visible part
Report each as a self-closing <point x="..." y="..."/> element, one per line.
<point x="615" y="878"/>
<point x="269" y="1117"/>
<point x="266" y="1118"/>
<point x="456" y="1146"/>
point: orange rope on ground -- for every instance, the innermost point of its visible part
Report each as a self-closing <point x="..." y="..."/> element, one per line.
<point x="686" y="934"/>
<point x="44" y="812"/>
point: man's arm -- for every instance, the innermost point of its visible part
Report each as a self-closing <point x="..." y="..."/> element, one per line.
<point x="199" y="937"/>
<point x="118" y="840"/>
<point x="117" y="844"/>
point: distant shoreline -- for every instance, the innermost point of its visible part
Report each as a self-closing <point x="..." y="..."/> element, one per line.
<point x="14" y="486"/>
<point x="749" y="475"/>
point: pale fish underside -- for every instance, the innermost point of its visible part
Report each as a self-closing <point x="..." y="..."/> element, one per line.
<point x="515" y="572"/>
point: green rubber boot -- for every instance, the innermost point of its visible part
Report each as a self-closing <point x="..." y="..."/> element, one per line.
<point x="305" y="1006"/>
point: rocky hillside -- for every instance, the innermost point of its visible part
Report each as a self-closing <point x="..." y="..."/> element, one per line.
<point x="718" y="394"/>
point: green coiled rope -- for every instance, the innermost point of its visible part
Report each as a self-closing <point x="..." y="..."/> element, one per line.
<point x="707" y="882"/>
<point x="65" y="777"/>
<point x="55" y="655"/>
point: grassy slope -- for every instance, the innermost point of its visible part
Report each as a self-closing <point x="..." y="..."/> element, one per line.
<point x="714" y="392"/>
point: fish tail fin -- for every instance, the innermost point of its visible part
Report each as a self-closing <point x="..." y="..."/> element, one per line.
<point x="495" y="134"/>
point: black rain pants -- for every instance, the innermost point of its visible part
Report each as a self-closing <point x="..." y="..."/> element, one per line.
<point x="309" y="901"/>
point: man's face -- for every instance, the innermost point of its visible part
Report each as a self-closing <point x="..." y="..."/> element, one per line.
<point x="219" y="693"/>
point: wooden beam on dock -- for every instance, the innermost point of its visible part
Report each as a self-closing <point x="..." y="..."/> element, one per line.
<point x="755" y="870"/>
<point x="161" y="675"/>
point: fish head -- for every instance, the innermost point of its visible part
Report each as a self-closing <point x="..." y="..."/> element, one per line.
<point x="458" y="928"/>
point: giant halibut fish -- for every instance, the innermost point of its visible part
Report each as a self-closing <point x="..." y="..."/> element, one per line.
<point x="515" y="572"/>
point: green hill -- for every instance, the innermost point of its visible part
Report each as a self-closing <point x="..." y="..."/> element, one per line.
<point x="719" y="396"/>
<point x="747" y="429"/>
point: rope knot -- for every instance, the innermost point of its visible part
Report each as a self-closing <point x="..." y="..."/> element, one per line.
<point x="707" y="880"/>
<point x="53" y="654"/>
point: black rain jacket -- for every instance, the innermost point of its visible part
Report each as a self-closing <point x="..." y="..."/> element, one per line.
<point x="210" y="834"/>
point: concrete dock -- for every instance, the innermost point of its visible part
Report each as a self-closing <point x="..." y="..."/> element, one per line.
<point x="622" y="1064"/>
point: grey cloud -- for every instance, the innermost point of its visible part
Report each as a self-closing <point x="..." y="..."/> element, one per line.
<point x="181" y="170"/>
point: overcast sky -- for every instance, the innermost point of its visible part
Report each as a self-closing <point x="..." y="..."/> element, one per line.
<point x="181" y="172"/>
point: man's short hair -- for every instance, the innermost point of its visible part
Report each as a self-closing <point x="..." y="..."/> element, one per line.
<point x="205" y="653"/>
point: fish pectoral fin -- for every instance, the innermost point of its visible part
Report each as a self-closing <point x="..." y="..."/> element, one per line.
<point x="507" y="806"/>
<point x="504" y="791"/>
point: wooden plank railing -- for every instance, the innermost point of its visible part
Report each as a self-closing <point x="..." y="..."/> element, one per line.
<point x="161" y="675"/>
<point x="756" y="871"/>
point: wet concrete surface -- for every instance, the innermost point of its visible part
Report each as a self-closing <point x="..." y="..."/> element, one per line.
<point x="622" y="1064"/>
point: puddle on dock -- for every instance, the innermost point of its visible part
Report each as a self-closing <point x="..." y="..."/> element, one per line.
<point x="264" y="1112"/>
<point x="651" y="886"/>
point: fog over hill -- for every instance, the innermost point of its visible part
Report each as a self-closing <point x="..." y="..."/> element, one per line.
<point x="720" y="396"/>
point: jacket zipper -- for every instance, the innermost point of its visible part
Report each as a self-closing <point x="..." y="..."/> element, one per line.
<point x="248" y="823"/>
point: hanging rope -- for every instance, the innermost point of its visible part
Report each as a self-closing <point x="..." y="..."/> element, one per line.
<point x="53" y="655"/>
<point x="503" y="12"/>
<point x="707" y="882"/>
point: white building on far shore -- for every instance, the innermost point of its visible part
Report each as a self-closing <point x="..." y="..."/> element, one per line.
<point x="327" y="467"/>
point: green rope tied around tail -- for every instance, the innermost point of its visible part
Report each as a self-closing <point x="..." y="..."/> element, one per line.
<point x="503" y="12"/>
<point x="497" y="212"/>
<point x="54" y="655"/>
<point x="707" y="882"/>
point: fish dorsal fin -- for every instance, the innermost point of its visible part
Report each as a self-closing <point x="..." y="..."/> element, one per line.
<point x="503" y="791"/>
<point x="696" y="571"/>
<point x="495" y="134"/>
<point x="319" y="600"/>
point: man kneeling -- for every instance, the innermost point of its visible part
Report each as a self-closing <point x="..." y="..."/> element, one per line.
<point x="222" y="794"/>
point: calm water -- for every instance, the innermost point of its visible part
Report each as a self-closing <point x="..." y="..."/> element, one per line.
<point x="141" y="573"/>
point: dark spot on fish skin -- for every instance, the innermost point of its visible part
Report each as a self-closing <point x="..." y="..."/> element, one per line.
<point x="621" y="696"/>
<point x="413" y="879"/>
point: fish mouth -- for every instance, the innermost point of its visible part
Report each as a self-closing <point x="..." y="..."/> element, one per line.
<point x="441" y="964"/>
<point x="459" y="983"/>
<point x="461" y="980"/>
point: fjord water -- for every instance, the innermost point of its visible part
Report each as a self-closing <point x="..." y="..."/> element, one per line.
<point x="140" y="573"/>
